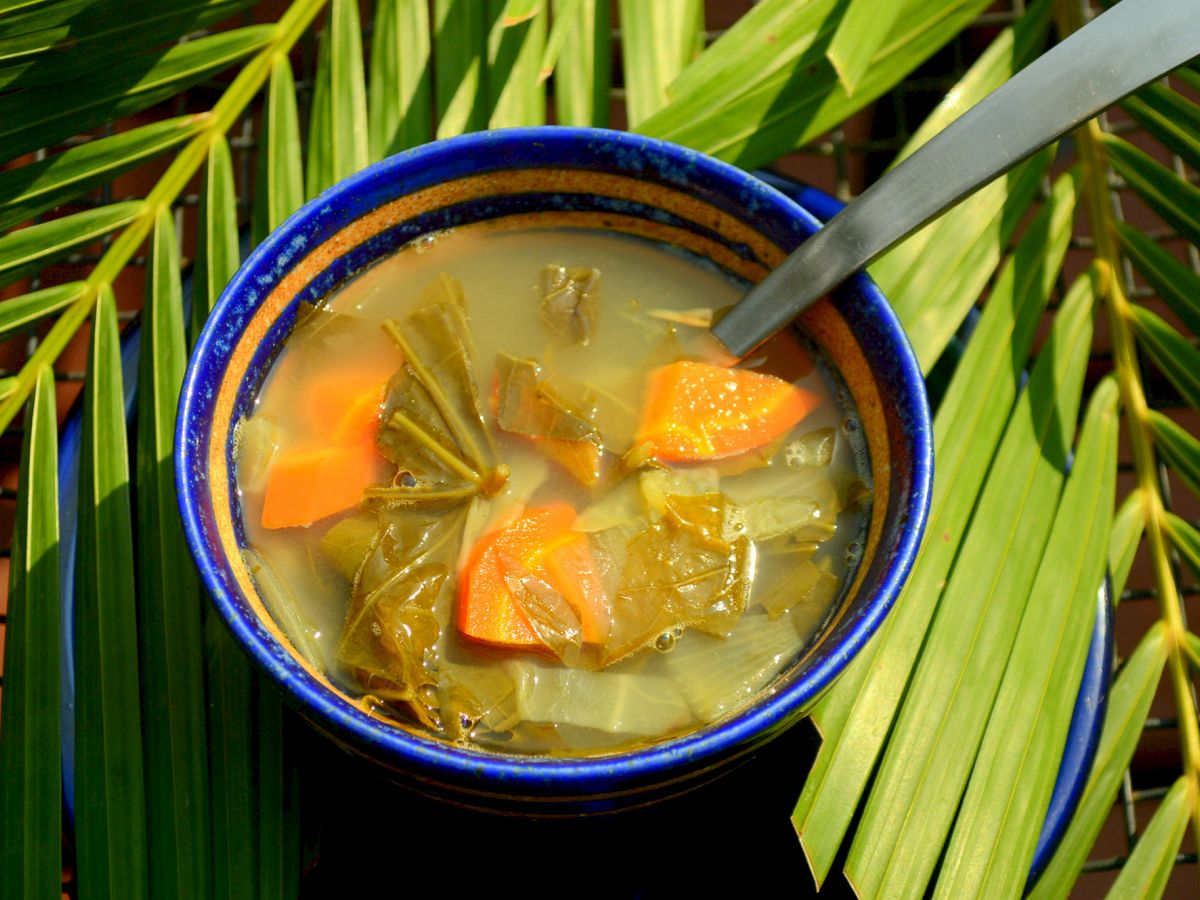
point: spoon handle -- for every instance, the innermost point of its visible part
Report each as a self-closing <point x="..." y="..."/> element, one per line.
<point x="1130" y="45"/>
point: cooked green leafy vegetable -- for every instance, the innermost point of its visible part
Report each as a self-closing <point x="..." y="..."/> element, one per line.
<point x="434" y="429"/>
<point x="689" y="570"/>
<point x="399" y="607"/>
<point x="570" y="302"/>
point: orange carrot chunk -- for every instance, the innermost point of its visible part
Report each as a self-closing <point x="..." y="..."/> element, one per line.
<point x="344" y="408"/>
<point x="696" y="411"/>
<point x="307" y="485"/>
<point x="540" y="542"/>
<point x="342" y="415"/>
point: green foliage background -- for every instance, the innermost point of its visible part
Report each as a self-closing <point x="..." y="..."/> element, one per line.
<point x="945" y="734"/>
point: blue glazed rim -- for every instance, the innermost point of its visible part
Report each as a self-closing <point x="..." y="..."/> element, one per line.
<point x="717" y="183"/>
<point x="1087" y="717"/>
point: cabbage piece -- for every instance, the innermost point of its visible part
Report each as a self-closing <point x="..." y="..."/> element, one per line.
<point x="571" y="303"/>
<point x="811" y="516"/>
<point x="717" y="676"/>
<point x="811" y="584"/>
<point x="434" y="429"/>
<point x="399" y="607"/>
<point x="618" y="703"/>
<point x="255" y="443"/>
<point x="282" y="606"/>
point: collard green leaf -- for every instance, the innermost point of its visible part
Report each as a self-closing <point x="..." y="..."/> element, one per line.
<point x="997" y="828"/>
<point x="516" y="95"/>
<point x="29" y="249"/>
<point x="38" y="186"/>
<point x="1172" y="281"/>
<point x="279" y="185"/>
<point x="42" y="116"/>
<point x="110" y="810"/>
<point x="582" y="72"/>
<point x="857" y="711"/>
<point x="1128" y="525"/>
<point x="524" y="408"/>
<point x="398" y="607"/>
<point x="658" y="40"/>
<point x="1146" y="872"/>
<point x="937" y="731"/>
<point x="570" y="305"/>
<point x="399" y="94"/>
<point x="1170" y="117"/>
<point x="460" y="48"/>
<point x="1172" y="197"/>
<point x="1178" y="448"/>
<point x="20" y="314"/>
<point x="861" y="32"/>
<point x="1174" y="354"/>
<point x="1128" y="704"/>
<point x="434" y="427"/>
<point x="217" y="250"/>
<point x="688" y="570"/>
<point x="168" y="597"/>
<point x="30" y="738"/>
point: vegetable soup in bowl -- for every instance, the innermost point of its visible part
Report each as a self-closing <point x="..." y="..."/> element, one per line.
<point x="465" y="472"/>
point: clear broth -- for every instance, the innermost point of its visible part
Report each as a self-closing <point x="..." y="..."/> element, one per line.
<point x="501" y="274"/>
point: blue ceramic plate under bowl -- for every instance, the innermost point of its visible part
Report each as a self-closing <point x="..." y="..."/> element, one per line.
<point x="1086" y="721"/>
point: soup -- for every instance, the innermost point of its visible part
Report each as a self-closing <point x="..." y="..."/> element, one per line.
<point x="505" y="487"/>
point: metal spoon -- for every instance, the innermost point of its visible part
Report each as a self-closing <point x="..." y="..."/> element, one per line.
<point x="1128" y="46"/>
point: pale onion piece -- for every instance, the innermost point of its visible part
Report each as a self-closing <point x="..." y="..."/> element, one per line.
<point x="814" y="449"/>
<point x="256" y="440"/>
<point x="619" y="508"/>
<point x="812" y="587"/>
<point x="489" y="689"/>
<point x="808" y="516"/>
<point x="618" y="703"/>
<point x="656" y="485"/>
<point x="718" y="675"/>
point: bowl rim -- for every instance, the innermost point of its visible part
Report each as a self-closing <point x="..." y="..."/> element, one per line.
<point x="396" y="745"/>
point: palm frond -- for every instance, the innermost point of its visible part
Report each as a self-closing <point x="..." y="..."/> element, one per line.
<point x="30" y="740"/>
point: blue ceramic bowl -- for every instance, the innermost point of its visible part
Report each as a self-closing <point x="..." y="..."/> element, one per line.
<point x="549" y="177"/>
